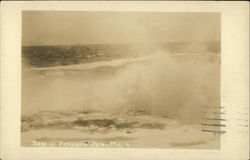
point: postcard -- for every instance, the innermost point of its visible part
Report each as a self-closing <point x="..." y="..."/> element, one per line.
<point x="124" y="80"/>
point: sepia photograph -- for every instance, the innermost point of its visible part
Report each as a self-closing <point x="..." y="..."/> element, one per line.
<point x="124" y="80"/>
<point x="121" y="79"/>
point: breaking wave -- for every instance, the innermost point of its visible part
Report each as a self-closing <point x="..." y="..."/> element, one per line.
<point x="175" y="87"/>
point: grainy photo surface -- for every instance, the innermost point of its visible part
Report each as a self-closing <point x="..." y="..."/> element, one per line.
<point x="121" y="79"/>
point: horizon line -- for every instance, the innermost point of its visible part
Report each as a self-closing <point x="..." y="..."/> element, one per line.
<point x="119" y="43"/>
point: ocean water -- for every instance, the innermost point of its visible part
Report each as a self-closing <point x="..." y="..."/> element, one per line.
<point x="123" y="97"/>
<point x="159" y="83"/>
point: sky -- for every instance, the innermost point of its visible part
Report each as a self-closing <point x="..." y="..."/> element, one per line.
<point x="83" y="27"/>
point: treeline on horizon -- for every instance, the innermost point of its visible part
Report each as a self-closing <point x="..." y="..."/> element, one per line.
<point x="41" y="56"/>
